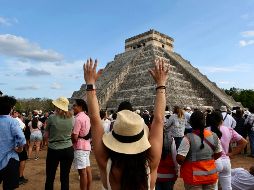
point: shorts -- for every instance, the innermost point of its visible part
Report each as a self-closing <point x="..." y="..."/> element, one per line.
<point x="23" y="155"/>
<point x="81" y="159"/>
<point x="36" y="136"/>
<point x="10" y="175"/>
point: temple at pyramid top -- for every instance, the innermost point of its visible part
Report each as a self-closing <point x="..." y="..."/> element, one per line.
<point x="126" y="78"/>
<point x="150" y="37"/>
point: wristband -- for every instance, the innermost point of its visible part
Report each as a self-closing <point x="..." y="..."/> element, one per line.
<point x="90" y="87"/>
<point x="160" y="87"/>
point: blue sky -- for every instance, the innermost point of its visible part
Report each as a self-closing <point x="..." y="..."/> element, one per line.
<point x="44" y="43"/>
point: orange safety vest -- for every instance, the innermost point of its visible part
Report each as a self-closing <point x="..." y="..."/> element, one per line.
<point x="166" y="170"/>
<point x="202" y="170"/>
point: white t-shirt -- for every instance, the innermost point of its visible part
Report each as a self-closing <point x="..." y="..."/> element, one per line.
<point x="106" y="125"/>
<point x="187" y="116"/>
<point x="241" y="179"/>
<point x="229" y="121"/>
<point x="21" y="124"/>
<point x="39" y="125"/>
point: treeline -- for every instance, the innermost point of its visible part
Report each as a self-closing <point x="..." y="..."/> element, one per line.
<point x="28" y="105"/>
<point x="246" y="97"/>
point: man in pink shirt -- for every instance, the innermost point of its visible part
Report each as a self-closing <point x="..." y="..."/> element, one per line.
<point x="81" y="142"/>
<point x="226" y="135"/>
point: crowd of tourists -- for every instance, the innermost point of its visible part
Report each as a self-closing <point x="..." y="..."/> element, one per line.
<point x="134" y="149"/>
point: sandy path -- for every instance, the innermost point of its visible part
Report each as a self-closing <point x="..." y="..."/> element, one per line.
<point x="35" y="172"/>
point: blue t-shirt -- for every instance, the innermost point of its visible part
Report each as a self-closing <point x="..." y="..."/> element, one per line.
<point x="11" y="136"/>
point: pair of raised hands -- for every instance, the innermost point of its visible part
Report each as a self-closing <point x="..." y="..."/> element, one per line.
<point x="159" y="72"/>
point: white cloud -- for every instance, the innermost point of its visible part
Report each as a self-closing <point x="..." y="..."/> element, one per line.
<point x="32" y="87"/>
<point x="249" y="33"/>
<point x="15" y="46"/>
<point x="36" y="72"/>
<point x="63" y="70"/>
<point x="244" y="43"/>
<point x="227" y="69"/>
<point x="226" y="82"/>
<point x="7" y="21"/>
<point x="56" y="86"/>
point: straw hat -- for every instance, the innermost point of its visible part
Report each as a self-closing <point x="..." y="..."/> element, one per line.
<point x="62" y="103"/>
<point x="129" y="134"/>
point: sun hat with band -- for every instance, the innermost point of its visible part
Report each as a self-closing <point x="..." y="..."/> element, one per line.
<point x="129" y="134"/>
<point x="61" y="103"/>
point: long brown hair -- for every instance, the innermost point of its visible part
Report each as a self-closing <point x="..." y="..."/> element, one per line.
<point x="179" y="112"/>
<point x="134" y="169"/>
<point x="35" y="122"/>
<point x="197" y="121"/>
<point x="63" y="114"/>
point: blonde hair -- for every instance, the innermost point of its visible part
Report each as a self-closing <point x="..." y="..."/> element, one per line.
<point x="179" y="112"/>
<point x="62" y="113"/>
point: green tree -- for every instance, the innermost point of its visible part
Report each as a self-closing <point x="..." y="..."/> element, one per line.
<point x="246" y="97"/>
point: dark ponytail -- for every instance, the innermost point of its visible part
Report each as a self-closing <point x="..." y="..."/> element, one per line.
<point x="201" y="135"/>
<point x="216" y="120"/>
<point x="197" y="121"/>
<point x="35" y="123"/>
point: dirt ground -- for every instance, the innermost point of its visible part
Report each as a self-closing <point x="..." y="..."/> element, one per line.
<point x="35" y="172"/>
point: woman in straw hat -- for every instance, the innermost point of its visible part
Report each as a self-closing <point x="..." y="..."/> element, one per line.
<point x="60" y="150"/>
<point x="128" y="156"/>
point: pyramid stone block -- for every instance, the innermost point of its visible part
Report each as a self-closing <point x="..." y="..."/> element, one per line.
<point x="127" y="77"/>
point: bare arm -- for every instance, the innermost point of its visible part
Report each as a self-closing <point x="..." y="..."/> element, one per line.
<point x="100" y="150"/>
<point x="240" y="146"/>
<point x="160" y="75"/>
<point x="217" y="155"/>
<point x="180" y="159"/>
<point x="74" y="138"/>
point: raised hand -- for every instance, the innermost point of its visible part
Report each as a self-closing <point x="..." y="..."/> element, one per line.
<point x="160" y="72"/>
<point x="90" y="74"/>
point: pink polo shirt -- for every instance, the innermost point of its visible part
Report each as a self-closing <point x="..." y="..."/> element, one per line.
<point x="81" y="128"/>
<point x="228" y="135"/>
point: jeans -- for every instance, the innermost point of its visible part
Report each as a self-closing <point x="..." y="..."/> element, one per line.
<point x="178" y="141"/>
<point x="168" y="185"/>
<point x="10" y="175"/>
<point x="54" y="157"/>
<point x="251" y="138"/>
<point x="200" y="187"/>
<point x="223" y="166"/>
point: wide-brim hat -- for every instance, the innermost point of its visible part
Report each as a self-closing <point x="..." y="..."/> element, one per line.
<point x="61" y="103"/>
<point x="129" y="134"/>
<point x="223" y="108"/>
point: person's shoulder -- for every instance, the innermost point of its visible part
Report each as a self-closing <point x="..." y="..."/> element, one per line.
<point x="173" y="116"/>
<point x="14" y="122"/>
<point x="223" y="128"/>
<point x="51" y="117"/>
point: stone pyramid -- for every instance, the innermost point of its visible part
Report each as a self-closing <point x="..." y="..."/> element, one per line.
<point x="127" y="78"/>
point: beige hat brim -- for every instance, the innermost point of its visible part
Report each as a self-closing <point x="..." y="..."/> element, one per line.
<point x="127" y="148"/>
<point x="57" y="104"/>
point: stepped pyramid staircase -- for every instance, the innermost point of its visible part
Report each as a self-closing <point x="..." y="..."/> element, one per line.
<point x="127" y="78"/>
